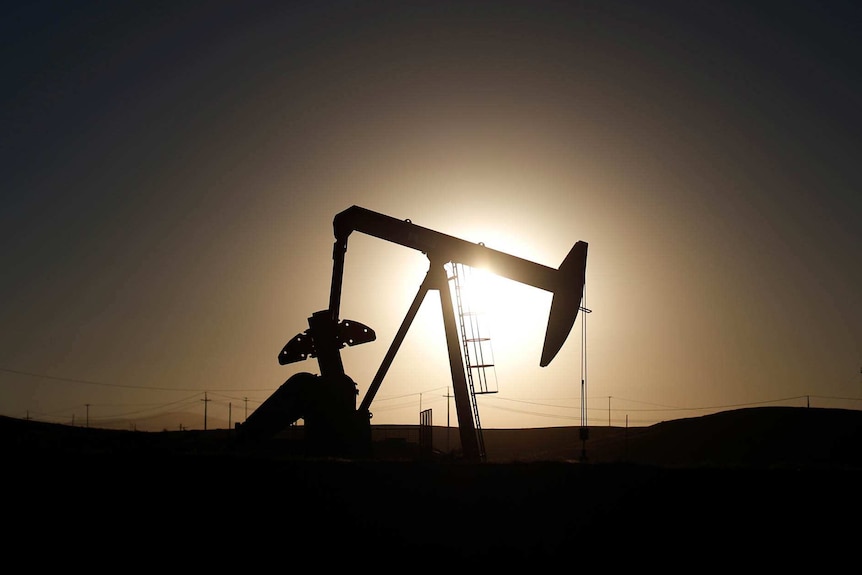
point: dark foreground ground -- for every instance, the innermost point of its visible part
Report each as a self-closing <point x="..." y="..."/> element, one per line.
<point x="764" y="487"/>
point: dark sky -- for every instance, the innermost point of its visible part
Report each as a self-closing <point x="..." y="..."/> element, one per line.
<point x="172" y="169"/>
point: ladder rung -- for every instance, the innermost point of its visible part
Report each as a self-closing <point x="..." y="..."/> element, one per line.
<point x="480" y="366"/>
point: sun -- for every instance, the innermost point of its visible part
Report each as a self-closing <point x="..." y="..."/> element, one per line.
<point x="499" y="320"/>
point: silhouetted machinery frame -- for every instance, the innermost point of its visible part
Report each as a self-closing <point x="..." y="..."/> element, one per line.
<point x="334" y="426"/>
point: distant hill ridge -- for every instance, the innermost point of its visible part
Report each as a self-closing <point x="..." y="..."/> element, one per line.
<point x="750" y="437"/>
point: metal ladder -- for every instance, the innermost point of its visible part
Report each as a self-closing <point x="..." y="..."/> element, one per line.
<point x="476" y="343"/>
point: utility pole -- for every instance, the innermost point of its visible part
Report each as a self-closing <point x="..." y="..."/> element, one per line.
<point x="246" y="407"/>
<point x="626" y="449"/>
<point x="448" y="396"/>
<point x="228" y="414"/>
<point x="205" y="400"/>
<point x="609" y="411"/>
<point x="88" y="414"/>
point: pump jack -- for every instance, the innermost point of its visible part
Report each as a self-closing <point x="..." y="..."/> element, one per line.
<point x="327" y="402"/>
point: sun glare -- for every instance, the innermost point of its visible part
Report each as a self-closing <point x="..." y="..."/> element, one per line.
<point x="471" y="295"/>
<point x="500" y="321"/>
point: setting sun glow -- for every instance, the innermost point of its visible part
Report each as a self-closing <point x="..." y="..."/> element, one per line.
<point x="472" y="293"/>
<point x="162" y="240"/>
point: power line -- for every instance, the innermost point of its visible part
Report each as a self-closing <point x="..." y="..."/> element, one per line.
<point x="103" y="384"/>
<point x="383" y="406"/>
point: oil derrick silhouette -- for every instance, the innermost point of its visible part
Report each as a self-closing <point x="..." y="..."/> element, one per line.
<point x="334" y="425"/>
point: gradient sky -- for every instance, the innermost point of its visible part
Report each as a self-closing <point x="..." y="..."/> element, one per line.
<point x="171" y="171"/>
